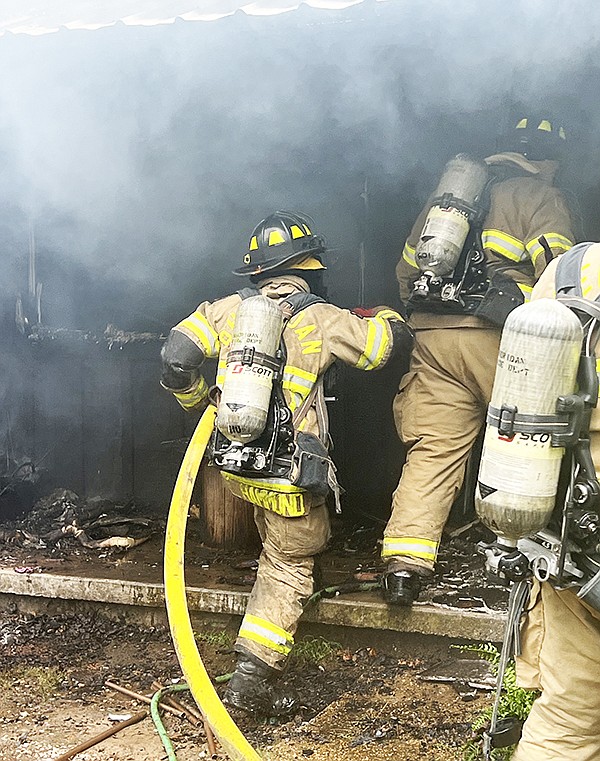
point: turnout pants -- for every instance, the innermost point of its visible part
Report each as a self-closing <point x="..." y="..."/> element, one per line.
<point x="439" y="410"/>
<point x="560" y="656"/>
<point x="283" y="582"/>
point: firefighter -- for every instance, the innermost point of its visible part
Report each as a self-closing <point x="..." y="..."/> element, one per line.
<point x="518" y="223"/>
<point x="560" y="638"/>
<point x="284" y="261"/>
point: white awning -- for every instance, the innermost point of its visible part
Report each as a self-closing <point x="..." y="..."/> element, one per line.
<point x="19" y="17"/>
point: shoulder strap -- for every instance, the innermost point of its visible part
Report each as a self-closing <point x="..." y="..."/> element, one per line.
<point x="568" y="271"/>
<point x="248" y="292"/>
<point x="299" y="301"/>
<point x="296" y="302"/>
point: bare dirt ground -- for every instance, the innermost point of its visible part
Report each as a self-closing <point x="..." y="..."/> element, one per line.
<point x="360" y="691"/>
<point x="360" y="698"/>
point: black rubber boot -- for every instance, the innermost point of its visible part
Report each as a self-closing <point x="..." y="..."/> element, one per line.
<point x="252" y="689"/>
<point x="401" y="587"/>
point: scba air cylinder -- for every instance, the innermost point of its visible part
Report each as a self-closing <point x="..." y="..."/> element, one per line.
<point x="448" y="221"/>
<point x="251" y="364"/>
<point x="537" y="363"/>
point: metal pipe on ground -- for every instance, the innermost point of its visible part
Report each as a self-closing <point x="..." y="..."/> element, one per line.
<point x="143" y="698"/>
<point x="102" y="736"/>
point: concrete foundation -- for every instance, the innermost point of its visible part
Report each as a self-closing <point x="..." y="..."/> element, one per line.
<point x="144" y="602"/>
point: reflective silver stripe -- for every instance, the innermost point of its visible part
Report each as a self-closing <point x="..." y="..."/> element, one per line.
<point x="408" y="254"/>
<point x="197" y="328"/>
<point x="503" y="244"/>
<point x="376" y="346"/>
<point x="558" y="243"/>
<point x="409" y="546"/>
<point x="298" y="383"/>
<point x="293" y="381"/>
<point x="265" y="633"/>
<point x="221" y="367"/>
<point x="190" y="398"/>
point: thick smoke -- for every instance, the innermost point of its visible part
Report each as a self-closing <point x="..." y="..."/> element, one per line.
<point x="143" y="157"/>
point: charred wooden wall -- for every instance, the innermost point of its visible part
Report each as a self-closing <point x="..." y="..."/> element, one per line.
<point x="97" y="422"/>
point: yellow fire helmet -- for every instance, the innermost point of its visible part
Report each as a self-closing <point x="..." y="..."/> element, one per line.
<point x="283" y="240"/>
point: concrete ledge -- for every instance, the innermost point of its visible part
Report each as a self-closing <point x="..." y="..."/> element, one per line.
<point x="350" y="610"/>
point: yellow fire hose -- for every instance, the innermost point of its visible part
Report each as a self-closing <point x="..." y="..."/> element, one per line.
<point x="215" y="713"/>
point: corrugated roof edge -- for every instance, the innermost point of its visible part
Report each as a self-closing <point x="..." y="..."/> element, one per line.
<point x="38" y="24"/>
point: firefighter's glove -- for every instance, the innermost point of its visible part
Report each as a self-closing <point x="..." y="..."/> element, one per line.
<point x="403" y="338"/>
<point x="175" y="377"/>
<point x="181" y="362"/>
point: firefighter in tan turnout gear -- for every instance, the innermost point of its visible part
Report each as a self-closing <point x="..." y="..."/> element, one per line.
<point x="561" y="635"/>
<point x="473" y="255"/>
<point x="272" y="435"/>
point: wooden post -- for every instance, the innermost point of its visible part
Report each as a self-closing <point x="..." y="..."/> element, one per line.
<point x="227" y="521"/>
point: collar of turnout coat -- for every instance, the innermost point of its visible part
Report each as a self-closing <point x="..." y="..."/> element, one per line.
<point x="282" y="286"/>
<point x="542" y="170"/>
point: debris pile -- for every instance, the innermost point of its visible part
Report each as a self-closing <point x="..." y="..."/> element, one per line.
<point x="459" y="580"/>
<point x="95" y="523"/>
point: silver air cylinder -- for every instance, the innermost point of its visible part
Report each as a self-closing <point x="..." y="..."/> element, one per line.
<point x="447" y="224"/>
<point x="251" y="363"/>
<point x="537" y="363"/>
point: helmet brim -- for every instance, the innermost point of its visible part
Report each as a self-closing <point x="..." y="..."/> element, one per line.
<point x="276" y="264"/>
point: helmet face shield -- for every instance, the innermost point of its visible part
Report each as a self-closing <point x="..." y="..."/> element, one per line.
<point x="279" y="241"/>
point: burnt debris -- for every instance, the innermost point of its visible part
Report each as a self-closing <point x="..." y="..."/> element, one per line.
<point x="62" y="517"/>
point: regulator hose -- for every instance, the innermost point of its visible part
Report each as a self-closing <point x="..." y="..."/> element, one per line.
<point x="229" y="735"/>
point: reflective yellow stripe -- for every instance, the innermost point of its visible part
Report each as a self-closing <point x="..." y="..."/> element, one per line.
<point x="274" y="484"/>
<point x="377" y="344"/>
<point x="298" y="383"/>
<point x="265" y="633"/>
<point x="298" y="380"/>
<point x="389" y="314"/>
<point x="408" y="254"/>
<point x="409" y="546"/>
<point x="221" y="367"/>
<point x="558" y="243"/>
<point x="197" y="328"/>
<point x="587" y="284"/>
<point x="291" y="385"/>
<point x="504" y="244"/>
<point x="190" y="398"/>
<point x="301" y="373"/>
<point x="526" y="291"/>
<point x="278" y="496"/>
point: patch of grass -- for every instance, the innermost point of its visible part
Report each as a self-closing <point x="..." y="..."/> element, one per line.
<point x="218" y="638"/>
<point x="315" y="649"/>
<point x="42" y="681"/>
<point x="515" y="701"/>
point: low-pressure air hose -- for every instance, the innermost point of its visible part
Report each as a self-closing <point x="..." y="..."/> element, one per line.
<point x="158" y="723"/>
<point x="229" y="735"/>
